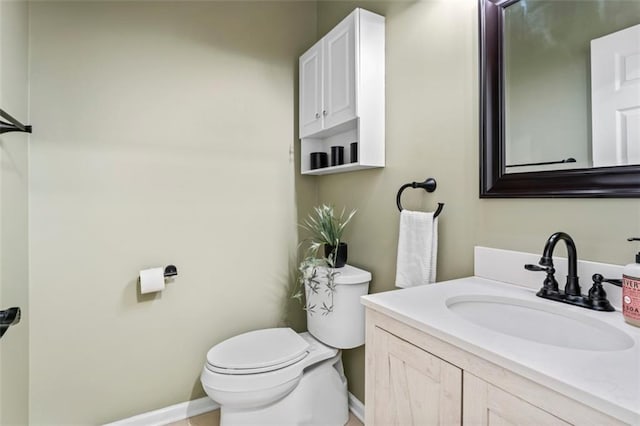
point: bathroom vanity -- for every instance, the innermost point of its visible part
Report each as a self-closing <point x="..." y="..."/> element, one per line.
<point x="483" y="351"/>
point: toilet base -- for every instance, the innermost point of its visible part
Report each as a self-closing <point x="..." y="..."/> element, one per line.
<point x="320" y="398"/>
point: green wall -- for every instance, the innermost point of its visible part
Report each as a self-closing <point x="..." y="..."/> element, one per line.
<point x="432" y="131"/>
<point x="164" y="136"/>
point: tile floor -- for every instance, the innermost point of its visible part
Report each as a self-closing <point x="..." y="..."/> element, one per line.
<point x="212" y="418"/>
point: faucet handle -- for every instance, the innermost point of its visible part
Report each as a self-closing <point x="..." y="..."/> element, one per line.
<point x="536" y="268"/>
<point x="550" y="285"/>
<point x="598" y="296"/>
<point x="598" y="278"/>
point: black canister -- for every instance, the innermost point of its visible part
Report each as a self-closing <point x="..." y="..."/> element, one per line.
<point x="354" y="152"/>
<point x="319" y="160"/>
<point x="337" y="155"/>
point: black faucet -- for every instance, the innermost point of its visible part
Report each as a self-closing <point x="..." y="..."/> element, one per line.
<point x="572" y="294"/>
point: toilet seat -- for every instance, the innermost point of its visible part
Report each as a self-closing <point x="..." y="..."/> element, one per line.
<point x="246" y="371"/>
<point x="242" y="380"/>
<point x="257" y="351"/>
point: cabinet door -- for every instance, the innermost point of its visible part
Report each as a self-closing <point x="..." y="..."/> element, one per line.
<point x="311" y="91"/>
<point x="487" y="405"/>
<point x="340" y="73"/>
<point x="412" y="387"/>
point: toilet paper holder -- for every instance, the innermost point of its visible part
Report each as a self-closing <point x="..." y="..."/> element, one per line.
<point x="170" y="271"/>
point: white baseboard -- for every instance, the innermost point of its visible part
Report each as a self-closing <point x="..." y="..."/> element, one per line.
<point x="356" y="407"/>
<point x="196" y="407"/>
<point x="170" y="414"/>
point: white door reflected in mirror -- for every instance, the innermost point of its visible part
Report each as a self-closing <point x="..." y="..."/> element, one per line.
<point x="615" y="98"/>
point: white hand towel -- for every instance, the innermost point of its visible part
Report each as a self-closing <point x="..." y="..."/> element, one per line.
<point x="417" y="249"/>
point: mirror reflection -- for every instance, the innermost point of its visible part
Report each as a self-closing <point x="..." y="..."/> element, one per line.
<point x="572" y="84"/>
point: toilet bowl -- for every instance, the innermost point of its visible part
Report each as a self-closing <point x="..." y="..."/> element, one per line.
<point x="279" y="377"/>
<point x="254" y="392"/>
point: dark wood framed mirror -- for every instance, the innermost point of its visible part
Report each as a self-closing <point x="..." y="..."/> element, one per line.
<point x="620" y="181"/>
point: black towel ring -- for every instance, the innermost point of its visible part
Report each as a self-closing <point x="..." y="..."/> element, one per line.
<point x="428" y="185"/>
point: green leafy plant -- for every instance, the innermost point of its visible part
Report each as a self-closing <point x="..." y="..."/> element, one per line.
<point x="316" y="281"/>
<point x="316" y="275"/>
<point x="325" y="227"/>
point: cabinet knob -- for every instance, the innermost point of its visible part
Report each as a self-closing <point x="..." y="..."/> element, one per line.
<point x="324" y="112"/>
<point x="317" y="115"/>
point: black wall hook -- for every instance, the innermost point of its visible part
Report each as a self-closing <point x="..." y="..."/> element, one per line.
<point x="428" y="185"/>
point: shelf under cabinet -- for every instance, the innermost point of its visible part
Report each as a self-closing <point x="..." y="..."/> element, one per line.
<point x="342" y="168"/>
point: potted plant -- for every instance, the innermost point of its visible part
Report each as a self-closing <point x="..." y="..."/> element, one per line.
<point x="316" y="275"/>
<point x="326" y="230"/>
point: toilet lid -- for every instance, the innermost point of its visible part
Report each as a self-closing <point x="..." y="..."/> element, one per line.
<point x="257" y="351"/>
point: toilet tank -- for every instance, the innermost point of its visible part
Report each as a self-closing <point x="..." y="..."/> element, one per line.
<point x="343" y="326"/>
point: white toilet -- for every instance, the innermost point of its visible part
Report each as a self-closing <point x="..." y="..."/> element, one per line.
<point x="278" y="377"/>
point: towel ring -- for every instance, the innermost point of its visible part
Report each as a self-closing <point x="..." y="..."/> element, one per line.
<point x="428" y="185"/>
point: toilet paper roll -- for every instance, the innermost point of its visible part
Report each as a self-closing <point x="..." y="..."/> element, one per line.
<point x="151" y="280"/>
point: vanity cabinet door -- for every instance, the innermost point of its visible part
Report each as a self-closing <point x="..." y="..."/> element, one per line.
<point x="487" y="405"/>
<point x="411" y="386"/>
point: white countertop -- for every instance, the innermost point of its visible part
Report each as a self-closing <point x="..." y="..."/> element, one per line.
<point x="608" y="381"/>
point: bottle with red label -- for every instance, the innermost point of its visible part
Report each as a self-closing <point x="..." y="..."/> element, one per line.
<point x="631" y="290"/>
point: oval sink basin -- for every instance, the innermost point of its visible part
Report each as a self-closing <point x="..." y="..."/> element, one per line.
<point x="540" y="323"/>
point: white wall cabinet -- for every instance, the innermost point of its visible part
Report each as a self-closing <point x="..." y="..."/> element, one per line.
<point x="342" y="94"/>
<point x="414" y="378"/>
